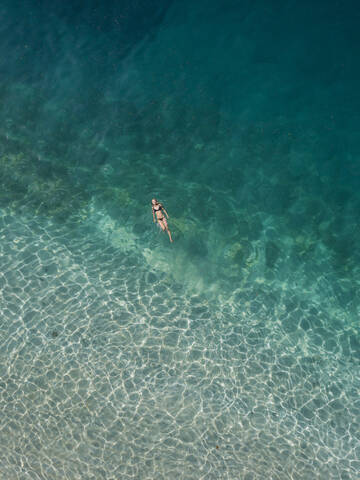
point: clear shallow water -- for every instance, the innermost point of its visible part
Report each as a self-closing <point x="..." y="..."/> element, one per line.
<point x="234" y="352"/>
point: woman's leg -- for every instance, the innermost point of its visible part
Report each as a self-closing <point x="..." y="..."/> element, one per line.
<point x="167" y="229"/>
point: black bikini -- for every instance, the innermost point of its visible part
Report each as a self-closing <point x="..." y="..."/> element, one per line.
<point x="158" y="210"/>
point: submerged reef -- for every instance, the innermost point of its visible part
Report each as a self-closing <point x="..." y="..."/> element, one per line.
<point x="219" y="182"/>
<point x="41" y="187"/>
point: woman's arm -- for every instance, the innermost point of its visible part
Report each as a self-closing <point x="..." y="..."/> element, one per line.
<point x="165" y="212"/>
<point x="153" y="214"/>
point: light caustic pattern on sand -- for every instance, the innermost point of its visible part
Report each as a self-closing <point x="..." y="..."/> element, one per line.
<point x="109" y="371"/>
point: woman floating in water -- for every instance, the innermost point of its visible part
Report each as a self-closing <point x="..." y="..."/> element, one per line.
<point x="159" y="209"/>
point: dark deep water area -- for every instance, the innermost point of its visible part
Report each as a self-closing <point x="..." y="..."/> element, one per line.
<point x="233" y="353"/>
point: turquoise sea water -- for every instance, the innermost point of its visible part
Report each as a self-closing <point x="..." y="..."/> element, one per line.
<point x="233" y="353"/>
